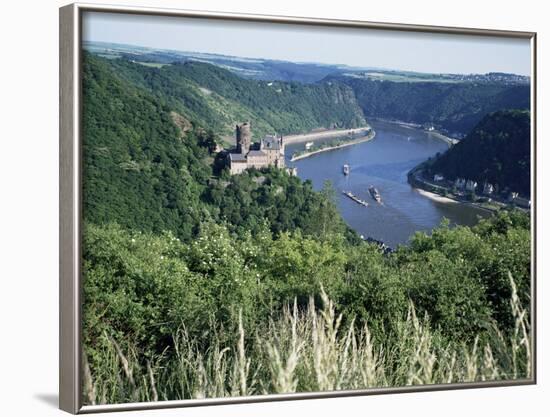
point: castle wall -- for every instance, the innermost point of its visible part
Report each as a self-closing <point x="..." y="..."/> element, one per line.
<point x="237" y="167"/>
<point x="276" y="158"/>
<point x="257" y="161"/>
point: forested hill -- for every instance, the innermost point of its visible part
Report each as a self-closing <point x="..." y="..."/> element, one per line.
<point x="455" y="107"/>
<point x="217" y="98"/>
<point x="145" y="174"/>
<point x="137" y="170"/>
<point x="496" y="151"/>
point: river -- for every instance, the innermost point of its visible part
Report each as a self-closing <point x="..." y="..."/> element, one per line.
<point x="384" y="162"/>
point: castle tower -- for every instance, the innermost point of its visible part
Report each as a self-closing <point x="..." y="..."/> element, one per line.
<point x="281" y="157"/>
<point x="244" y="137"/>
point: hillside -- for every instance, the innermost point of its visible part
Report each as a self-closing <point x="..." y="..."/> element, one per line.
<point x="134" y="159"/>
<point x="497" y="151"/>
<point x="217" y="98"/>
<point x="452" y="107"/>
<point x="137" y="161"/>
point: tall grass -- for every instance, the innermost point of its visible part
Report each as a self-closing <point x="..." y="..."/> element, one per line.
<point x="304" y="351"/>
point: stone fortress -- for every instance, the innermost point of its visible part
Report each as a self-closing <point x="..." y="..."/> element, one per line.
<point x="270" y="151"/>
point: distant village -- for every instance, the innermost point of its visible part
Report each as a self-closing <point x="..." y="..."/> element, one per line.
<point x="491" y="77"/>
<point x="468" y="189"/>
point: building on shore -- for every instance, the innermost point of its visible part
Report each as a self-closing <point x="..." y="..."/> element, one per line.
<point x="488" y="189"/>
<point x="270" y="151"/>
<point x="471" y="185"/>
<point x="460" y="183"/>
<point x="465" y="184"/>
<point x="522" y="202"/>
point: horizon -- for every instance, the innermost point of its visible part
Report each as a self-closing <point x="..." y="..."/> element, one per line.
<point x="352" y="67"/>
<point x="432" y="53"/>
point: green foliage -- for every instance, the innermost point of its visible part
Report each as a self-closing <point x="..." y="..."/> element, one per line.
<point x="142" y="287"/>
<point x="484" y="255"/>
<point x="136" y="287"/>
<point x="138" y="172"/>
<point x="245" y="202"/>
<point x="507" y="250"/>
<point x="308" y="351"/>
<point x="498" y="150"/>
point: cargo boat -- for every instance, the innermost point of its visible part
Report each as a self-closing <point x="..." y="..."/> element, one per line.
<point x="352" y="196"/>
<point x="375" y="194"/>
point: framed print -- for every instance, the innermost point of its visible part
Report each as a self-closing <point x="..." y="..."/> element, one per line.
<point x="258" y="208"/>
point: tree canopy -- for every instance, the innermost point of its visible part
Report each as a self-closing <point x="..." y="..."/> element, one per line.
<point x="497" y="151"/>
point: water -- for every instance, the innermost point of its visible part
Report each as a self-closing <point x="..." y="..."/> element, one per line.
<point x="384" y="163"/>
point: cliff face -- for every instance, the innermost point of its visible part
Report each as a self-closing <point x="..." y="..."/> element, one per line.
<point x="497" y="150"/>
<point x="216" y="98"/>
<point x="288" y="107"/>
<point x="456" y="107"/>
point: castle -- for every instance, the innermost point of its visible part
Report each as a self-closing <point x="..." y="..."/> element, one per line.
<point x="270" y="151"/>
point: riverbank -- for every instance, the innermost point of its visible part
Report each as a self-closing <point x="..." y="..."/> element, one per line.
<point x="435" y="197"/>
<point x="362" y="139"/>
<point x="442" y="194"/>
<point x="438" y="135"/>
<point x="446" y="139"/>
<point x="451" y="200"/>
<point x="324" y="134"/>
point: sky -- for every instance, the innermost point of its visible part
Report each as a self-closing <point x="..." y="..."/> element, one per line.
<point x="422" y="52"/>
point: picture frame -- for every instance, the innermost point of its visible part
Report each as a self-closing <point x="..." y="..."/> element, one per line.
<point x="71" y="369"/>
